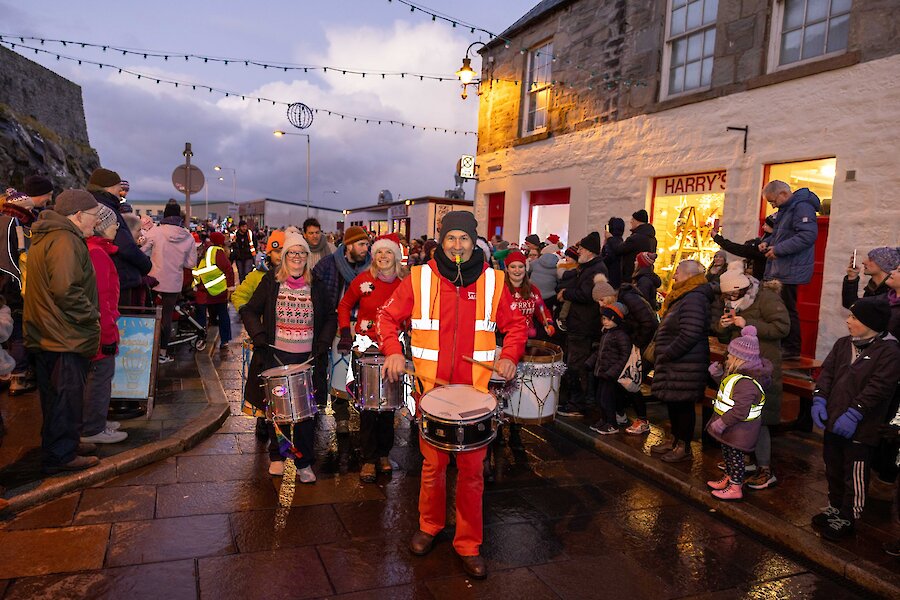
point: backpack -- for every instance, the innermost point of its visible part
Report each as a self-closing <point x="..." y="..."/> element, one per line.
<point x="631" y="376"/>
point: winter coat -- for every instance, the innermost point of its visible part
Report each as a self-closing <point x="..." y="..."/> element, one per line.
<point x="748" y="250"/>
<point x="243" y="292"/>
<point x="682" y="348"/>
<point x="131" y="263"/>
<point x="612" y="258"/>
<point x="794" y="239"/>
<point x="315" y="256"/>
<point x="894" y="323"/>
<point x="101" y="251"/>
<point x="868" y="384"/>
<point x="172" y="250"/>
<point x="739" y="433"/>
<point x="850" y="290"/>
<point x="613" y="353"/>
<point x="61" y="299"/>
<point x="200" y="293"/>
<point x="641" y="321"/>
<point x="328" y="285"/>
<point x="243" y="248"/>
<point x="647" y="283"/>
<point x="542" y="272"/>
<point x="770" y="317"/>
<point x="642" y="239"/>
<point x="584" y="314"/>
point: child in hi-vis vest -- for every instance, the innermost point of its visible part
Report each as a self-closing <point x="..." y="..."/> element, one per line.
<point x="737" y="408"/>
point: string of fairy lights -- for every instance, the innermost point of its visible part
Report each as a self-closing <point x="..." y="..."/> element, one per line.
<point x="231" y="93"/>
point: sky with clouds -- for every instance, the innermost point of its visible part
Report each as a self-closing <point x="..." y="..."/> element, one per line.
<point x="139" y="128"/>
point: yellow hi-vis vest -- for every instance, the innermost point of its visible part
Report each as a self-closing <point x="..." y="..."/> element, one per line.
<point x="724" y="403"/>
<point x="211" y="276"/>
<point x="425" y="339"/>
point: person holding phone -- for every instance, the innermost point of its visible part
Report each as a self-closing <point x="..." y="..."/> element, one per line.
<point x="878" y="265"/>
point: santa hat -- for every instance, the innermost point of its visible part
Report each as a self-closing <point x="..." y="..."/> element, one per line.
<point x="391" y="241"/>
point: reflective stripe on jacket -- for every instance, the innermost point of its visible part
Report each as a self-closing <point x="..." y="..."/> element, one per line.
<point x="724" y="402"/>
<point x="209" y="274"/>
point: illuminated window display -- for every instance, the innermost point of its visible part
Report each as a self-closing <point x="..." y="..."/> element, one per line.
<point x="686" y="213"/>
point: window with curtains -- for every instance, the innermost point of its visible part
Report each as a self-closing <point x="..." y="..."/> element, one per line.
<point x="537" y="89"/>
<point x="690" y="44"/>
<point x="803" y="30"/>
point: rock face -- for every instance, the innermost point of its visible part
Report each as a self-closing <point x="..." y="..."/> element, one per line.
<point x="42" y="126"/>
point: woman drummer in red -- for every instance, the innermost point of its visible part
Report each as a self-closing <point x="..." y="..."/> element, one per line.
<point x="369" y="291"/>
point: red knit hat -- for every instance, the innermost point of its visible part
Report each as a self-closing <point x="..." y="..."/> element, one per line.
<point x="217" y="238"/>
<point x="645" y="259"/>
<point x="514" y="256"/>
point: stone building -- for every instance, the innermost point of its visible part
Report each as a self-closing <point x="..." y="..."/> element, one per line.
<point x="590" y="109"/>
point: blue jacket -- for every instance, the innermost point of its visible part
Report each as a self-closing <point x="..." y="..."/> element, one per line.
<point x="794" y="239"/>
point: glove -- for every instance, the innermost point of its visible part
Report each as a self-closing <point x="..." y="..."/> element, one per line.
<point x="845" y="425"/>
<point x="345" y="344"/>
<point x="109" y="349"/>
<point x="717" y="426"/>
<point x="716" y="370"/>
<point x="550" y="329"/>
<point x="818" y="413"/>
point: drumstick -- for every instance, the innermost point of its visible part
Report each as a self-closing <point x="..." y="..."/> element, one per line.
<point x="483" y="365"/>
<point x="423" y="378"/>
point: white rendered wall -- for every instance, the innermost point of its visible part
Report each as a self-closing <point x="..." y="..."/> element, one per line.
<point x="852" y="114"/>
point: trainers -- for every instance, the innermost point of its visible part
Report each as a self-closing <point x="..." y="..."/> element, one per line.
<point x="719" y="484"/>
<point x="569" y="411"/>
<point x="749" y="467"/>
<point x="764" y="478"/>
<point x="165" y="359"/>
<point x="604" y="428"/>
<point x="306" y="475"/>
<point x="384" y="465"/>
<point x="638" y="427"/>
<point x="113" y="425"/>
<point x="276" y="468"/>
<point x="107" y="436"/>
<point x="79" y="463"/>
<point x="838" y="529"/>
<point x="367" y="473"/>
<point x="622" y="419"/>
<point x="892" y="548"/>
<point x="731" y="492"/>
<point x="827" y="514"/>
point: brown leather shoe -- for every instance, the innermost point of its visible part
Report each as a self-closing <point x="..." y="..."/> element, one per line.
<point x="79" y="463"/>
<point x="474" y="566"/>
<point x="86" y="448"/>
<point x="421" y="543"/>
<point x="367" y="473"/>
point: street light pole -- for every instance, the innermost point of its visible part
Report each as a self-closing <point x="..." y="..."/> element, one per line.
<point x="279" y="133"/>
<point x="233" y="180"/>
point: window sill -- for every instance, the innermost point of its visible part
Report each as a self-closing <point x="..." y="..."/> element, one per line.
<point x="534" y="137"/>
<point x="806" y="69"/>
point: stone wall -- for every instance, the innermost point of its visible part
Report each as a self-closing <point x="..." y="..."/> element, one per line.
<point x="42" y="125"/>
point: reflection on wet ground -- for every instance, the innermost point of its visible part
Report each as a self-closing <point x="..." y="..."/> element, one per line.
<point x="560" y="522"/>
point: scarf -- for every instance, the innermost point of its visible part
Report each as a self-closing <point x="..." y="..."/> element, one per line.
<point x="295" y="283"/>
<point x="385" y="278"/>
<point x="320" y="247"/>
<point x="681" y="288"/>
<point x="893" y="298"/>
<point x="464" y="274"/>
<point x="349" y="270"/>
<point x="747" y="300"/>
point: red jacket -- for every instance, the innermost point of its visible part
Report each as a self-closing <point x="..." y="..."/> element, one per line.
<point x="101" y="251"/>
<point x="457" y="326"/>
<point x="202" y="296"/>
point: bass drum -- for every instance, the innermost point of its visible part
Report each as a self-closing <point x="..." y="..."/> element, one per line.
<point x="535" y="395"/>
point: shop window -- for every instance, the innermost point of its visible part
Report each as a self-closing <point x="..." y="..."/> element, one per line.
<point x="685" y="213"/>
<point x="690" y="44"/>
<point x="817" y="175"/>
<point x="379" y="227"/>
<point x="537" y="89"/>
<point x="805" y="30"/>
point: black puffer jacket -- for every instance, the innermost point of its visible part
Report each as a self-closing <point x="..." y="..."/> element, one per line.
<point x="647" y="282"/>
<point x="682" y="348"/>
<point x="641" y="321"/>
<point x="131" y="263"/>
<point x="584" y="315"/>
<point x="613" y="354"/>
<point x="642" y="239"/>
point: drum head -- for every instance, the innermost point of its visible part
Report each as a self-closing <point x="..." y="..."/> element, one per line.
<point x="371" y="360"/>
<point x="458" y="403"/>
<point x="285" y="370"/>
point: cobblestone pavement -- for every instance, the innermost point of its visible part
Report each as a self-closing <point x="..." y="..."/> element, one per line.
<point x="561" y="522"/>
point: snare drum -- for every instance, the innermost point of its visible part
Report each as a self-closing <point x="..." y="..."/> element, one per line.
<point x="373" y="390"/>
<point x="536" y="394"/>
<point x="289" y="393"/>
<point x="458" y="418"/>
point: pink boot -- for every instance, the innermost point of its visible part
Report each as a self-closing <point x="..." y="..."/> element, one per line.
<point x="721" y="484"/>
<point x="731" y="492"/>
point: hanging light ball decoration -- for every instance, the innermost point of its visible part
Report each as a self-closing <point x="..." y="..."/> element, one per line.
<point x="300" y="115"/>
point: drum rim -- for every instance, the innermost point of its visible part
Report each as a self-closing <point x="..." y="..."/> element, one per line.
<point x="460" y="421"/>
<point x="459" y="447"/>
<point x="303" y="368"/>
<point x="555" y="356"/>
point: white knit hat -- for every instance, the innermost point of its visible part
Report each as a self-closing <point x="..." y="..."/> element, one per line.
<point x="294" y="239"/>
<point x="391" y="241"/>
<point x="734" y="278"/>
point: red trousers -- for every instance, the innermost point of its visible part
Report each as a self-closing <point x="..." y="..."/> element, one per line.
<point x="469" y="489"/>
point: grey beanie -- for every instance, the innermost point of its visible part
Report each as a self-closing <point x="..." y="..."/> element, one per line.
<point x="461" y="220"/>
<point x="71" y="201"/>
<point x="105" y="218"/>
<point x="602" y="288"/>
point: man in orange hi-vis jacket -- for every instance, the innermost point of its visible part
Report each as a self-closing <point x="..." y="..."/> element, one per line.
<point x="456" y="303"/>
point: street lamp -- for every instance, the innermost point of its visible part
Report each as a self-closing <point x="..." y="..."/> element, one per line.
<point x="233" y="180"/>
<point x="466" y="73"/>
<point x="279" y="133"/>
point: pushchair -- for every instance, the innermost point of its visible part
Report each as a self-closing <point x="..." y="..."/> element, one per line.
<point x="185" y="328"/>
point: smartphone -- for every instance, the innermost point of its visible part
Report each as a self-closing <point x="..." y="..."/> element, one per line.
<point x="853" y="262"/>
<point x="728" y="311"/>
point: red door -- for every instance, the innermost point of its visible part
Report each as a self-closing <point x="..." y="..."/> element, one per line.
<point x="809" y="295"/>
<point x="496" y="204"/>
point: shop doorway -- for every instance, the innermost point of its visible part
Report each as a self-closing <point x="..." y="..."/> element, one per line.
<point x="496" y="206"/>
<point x="548" y="212"/>
<point x="818" y="176"/>
<point x="685" y="211"/>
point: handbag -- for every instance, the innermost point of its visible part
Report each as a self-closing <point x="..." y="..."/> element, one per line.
<point x="631" y="376"/>
<point x="649" y="355"/>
